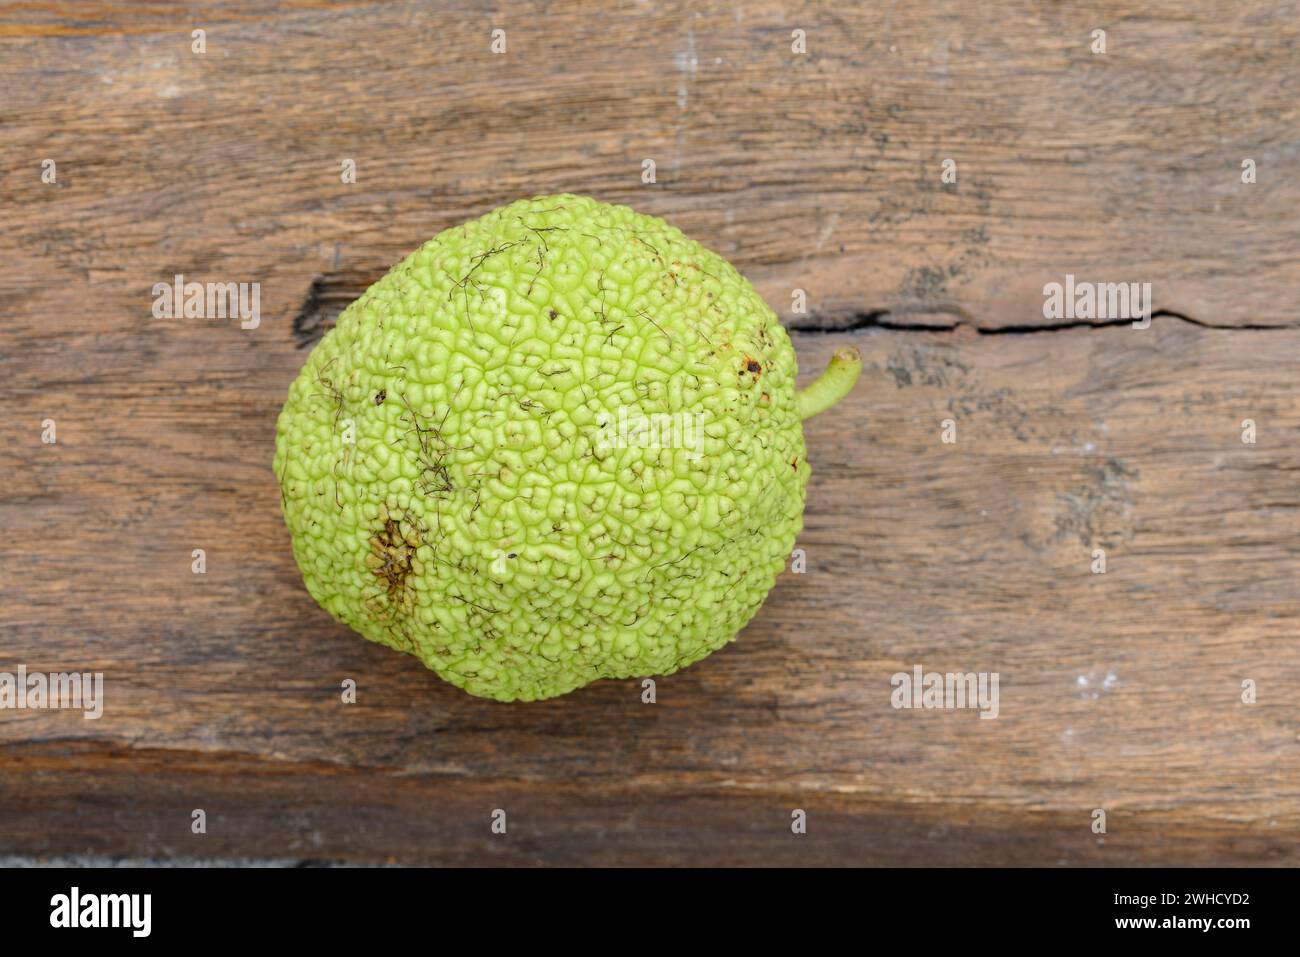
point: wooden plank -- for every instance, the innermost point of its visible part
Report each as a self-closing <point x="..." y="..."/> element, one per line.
<point x="973" y="557"/>
<point x="1119" y="691"/>
<point x="820" y="172"/>
<point x="324" y="813"/>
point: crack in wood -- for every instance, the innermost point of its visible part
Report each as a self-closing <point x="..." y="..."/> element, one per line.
<point x="824" y="323"/>
<point x="329" y="294"/>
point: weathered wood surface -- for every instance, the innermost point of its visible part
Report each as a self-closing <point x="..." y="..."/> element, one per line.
<point x="1119" y="691"/>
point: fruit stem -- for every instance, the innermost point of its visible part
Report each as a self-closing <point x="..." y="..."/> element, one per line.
<point x="832" y="385"/>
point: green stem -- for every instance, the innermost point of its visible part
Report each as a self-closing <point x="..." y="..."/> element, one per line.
<point x="832" y="385"/>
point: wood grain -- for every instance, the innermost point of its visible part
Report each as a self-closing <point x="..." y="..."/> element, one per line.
<point x="1119" y="691"/>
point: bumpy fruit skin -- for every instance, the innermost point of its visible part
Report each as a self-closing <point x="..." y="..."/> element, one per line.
<point x="467" y="478"/>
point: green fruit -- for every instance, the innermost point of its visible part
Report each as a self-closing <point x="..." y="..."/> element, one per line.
<point x="559" y="443"/>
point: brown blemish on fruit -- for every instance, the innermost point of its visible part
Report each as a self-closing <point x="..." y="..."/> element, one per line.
<point x="552" y="314"/>
<point x="390" y="558"/>
<point x="380" y="396"/>
<point x="753" y="366"/>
